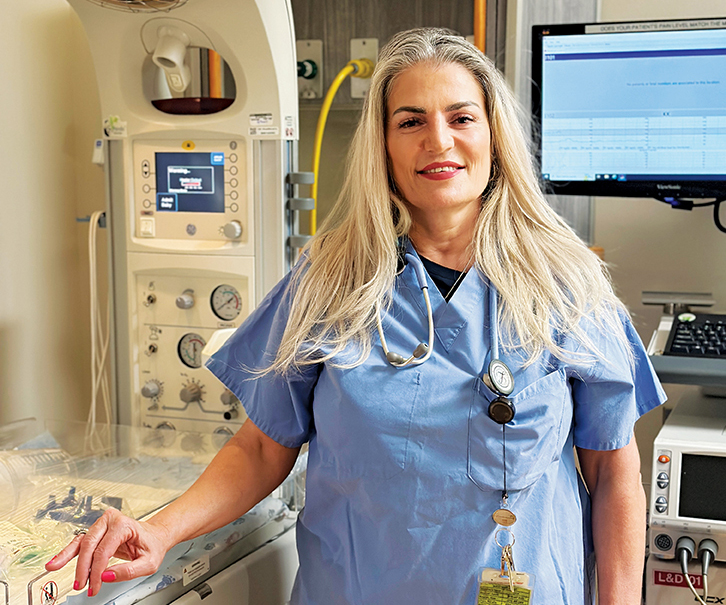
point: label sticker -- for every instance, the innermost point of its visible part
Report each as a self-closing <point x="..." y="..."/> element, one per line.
<point x="49" y="593"/>
<point x="670" y="578"/>
<point x="259" y="131"/>
<point x="260" y="119"/>
<point x="114" y="128"/>
<point x="195" y="570"/>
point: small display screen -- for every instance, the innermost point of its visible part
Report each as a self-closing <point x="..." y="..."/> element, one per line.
<point x="190" y="182"/>
<point x="703" y="490"/>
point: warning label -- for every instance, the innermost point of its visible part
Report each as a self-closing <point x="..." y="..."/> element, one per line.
<point x="195" y="570"/>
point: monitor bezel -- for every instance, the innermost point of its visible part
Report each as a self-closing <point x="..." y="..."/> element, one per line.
<point x="659" y="189"/>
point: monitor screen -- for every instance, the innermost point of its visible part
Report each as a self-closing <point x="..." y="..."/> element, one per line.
<point x="703" y="493"/>
<point x="631" y="109"/>
<point x="190" y="182"/>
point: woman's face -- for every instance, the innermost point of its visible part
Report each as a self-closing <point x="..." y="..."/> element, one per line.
<point x="438" y="137"/>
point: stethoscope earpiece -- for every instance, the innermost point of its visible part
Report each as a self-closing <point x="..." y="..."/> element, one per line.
<point x="420" y="350"/>
<point x="394" y="358"/>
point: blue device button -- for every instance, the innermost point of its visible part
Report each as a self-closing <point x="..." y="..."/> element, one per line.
<point x="166" y="202"/>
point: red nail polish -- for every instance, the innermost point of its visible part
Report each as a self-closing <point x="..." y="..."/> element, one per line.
<point x="108" y="576"/>
<point x="53" y="559"/>
<point x="76" y="585"/>
<point x="90" y="592"/>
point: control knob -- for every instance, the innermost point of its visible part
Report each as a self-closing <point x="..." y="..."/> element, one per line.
<point x="229" y="398"/>
<point x="191" y="392"/>
<point x="185" y="300"/>
<point x="151" y="389"/>
<point x="231" y="413"/>
<point x="232" y="230"/>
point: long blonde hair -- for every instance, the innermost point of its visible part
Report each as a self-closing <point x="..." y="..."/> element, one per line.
<point x="549" y="282"/>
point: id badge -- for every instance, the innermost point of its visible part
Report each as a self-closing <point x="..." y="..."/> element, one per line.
<point x="495" y="589"/>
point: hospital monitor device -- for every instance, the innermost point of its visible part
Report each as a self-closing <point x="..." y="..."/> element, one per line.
<point x="688" y="491"/>
<point x="631" y="109"/>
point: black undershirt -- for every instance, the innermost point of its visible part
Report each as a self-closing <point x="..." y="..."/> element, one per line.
<point x="443" y="277"/>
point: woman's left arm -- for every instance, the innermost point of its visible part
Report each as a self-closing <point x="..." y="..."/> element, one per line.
<point x="618" y="521"/>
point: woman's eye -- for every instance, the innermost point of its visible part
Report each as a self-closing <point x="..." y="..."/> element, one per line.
<point x="409" y="123"/>
<point x="463" y="119"/>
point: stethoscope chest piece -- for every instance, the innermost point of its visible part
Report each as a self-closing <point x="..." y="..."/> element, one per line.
<point x="499" y="378"/>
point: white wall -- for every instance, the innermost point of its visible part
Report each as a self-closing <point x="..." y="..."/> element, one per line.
<point x="649" y="245"/>
<point x="46" y="117"/>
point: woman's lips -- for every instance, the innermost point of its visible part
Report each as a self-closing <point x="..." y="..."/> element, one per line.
<point x="440" y="171"/>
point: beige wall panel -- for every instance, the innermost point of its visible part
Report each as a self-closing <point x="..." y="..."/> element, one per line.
<point x="44" y="351"/>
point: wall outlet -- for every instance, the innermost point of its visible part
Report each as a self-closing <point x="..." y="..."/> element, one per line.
<point x="362" y="48"/>
<point x="310" y="87"/>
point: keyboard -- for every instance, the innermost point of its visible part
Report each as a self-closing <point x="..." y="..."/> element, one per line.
<point x="697" y="335"/>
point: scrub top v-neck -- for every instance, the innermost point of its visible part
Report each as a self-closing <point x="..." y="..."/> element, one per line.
<point x="405" y="466"/>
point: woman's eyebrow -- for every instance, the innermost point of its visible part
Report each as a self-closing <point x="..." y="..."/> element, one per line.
<point x="421" y="110"/>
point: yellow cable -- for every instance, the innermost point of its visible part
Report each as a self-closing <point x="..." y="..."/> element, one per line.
<point x="358" y="68"/>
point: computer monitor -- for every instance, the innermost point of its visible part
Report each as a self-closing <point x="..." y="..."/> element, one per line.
<point x="631" y="109"/>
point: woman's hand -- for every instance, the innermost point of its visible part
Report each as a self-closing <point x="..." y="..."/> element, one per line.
<point x="242" y="473"/>
<point x="143" y="545"/>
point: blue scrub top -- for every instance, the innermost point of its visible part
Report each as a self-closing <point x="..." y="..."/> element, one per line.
<point x="405" y="465"/>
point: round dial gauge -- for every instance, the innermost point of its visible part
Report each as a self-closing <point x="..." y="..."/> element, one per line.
<point x="226" y="302"/>
<point x="190" y="350"/>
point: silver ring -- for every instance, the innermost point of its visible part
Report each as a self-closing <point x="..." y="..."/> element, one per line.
<point x="78" y="532"/>
<point x="496" y="537"/>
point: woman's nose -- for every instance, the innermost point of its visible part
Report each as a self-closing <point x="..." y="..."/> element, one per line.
<point x="438" y="136"/>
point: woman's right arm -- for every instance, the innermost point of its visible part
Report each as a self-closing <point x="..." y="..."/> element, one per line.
<point x="244" y="471"/>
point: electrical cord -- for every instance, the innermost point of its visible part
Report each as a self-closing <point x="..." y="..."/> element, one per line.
<point x="99" y="341"/>
<point x="707" y="550"/>
<point x="685" y="549"/>
<point x="716" y="217"/>
<point x="357" y="68"/>
<point x="681" y="204"/>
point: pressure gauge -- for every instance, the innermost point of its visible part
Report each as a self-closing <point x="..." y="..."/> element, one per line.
<point x="226" y="302"/>
<point x="190" y="350"/>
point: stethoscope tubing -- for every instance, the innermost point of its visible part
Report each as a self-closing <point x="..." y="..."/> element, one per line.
<point x="395" y="359"/>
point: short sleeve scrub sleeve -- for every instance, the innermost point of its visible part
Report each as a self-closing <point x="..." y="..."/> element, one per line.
<point x="405" y="467"/>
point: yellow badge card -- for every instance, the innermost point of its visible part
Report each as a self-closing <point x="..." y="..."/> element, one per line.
<point x="495" y="589"/>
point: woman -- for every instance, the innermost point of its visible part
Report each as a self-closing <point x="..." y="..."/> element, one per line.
<point x="419" y="464"/>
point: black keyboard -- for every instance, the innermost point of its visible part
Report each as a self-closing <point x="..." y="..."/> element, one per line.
<point x="697" y="335"/>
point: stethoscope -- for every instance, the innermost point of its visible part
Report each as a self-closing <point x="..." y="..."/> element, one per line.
<point x="498" y="376"/>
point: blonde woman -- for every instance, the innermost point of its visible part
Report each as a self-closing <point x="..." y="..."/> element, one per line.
<point x="444" y="345"/>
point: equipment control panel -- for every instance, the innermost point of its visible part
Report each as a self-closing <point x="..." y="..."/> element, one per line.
<point x="177" y="314"/>
<point x="193" y="191"/>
